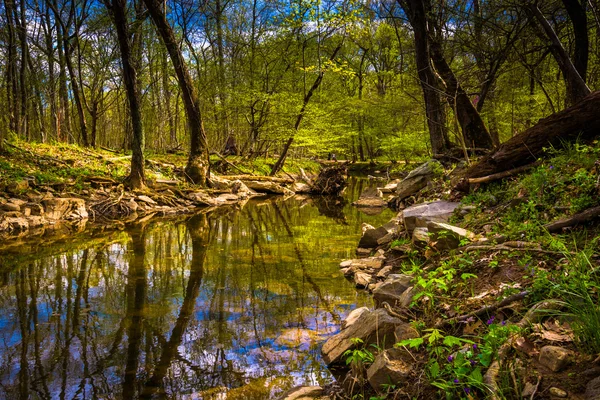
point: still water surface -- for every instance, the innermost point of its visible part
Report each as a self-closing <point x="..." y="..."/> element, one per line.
<point x="233" y="304"/>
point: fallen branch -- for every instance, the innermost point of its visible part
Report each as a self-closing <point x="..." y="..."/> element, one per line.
<point x="484" y="310"/>
<point x="580" y="218"/>
<point x="508" y="248"/>
<point x="227" y="162"/>
<point x="501" y="175"/>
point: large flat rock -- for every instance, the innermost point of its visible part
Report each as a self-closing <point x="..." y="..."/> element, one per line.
<point x="419" y="215"/>
<point x="371" y="327"/>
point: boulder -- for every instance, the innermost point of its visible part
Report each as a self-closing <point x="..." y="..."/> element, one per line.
<point x="304" y="393"/>
<point x="363" y="252"/>
<point x="391" y="289"/>
<point x="371" y="327"/>
<point x="420" y="237"/>
<point x="419" y="215"/>
<point x="405" y="331"/>
<point x="554" y="358"/>
<point x="64" y="208"/>
<point x="592" y="389"/>
<point x="353" y="317"/>
<point x="17" y="187"/>
<point x="391" y="367"/>
<point x="239" y="188"/>
<point x="370" y="238"/>
<point x="384" y="272"/>
<point x="418" y="178"/>
<point x="446" y="236"/>
<point x="385" y="239"/>
<point x="218" y="183"/>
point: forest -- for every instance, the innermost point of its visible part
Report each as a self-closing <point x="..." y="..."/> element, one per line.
<point x="362" y="79"/>
<point x="300" y="199"/>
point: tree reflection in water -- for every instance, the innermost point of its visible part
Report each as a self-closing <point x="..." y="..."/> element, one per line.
<point x="235" y="301"/>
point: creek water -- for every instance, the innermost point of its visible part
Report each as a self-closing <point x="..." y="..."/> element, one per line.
<point x="233" y="304"/>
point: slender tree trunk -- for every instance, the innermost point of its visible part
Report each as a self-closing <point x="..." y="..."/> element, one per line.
<point x="434" y="109"/>
<point x="12" y="91"/>
<point x="197" y="169"/>
<point x="577" y="12"/>
<point x="23" y="83"/>
<point x="279" y="164"/>
<point x="474" y="131"/>
<point x="576" y="86"/>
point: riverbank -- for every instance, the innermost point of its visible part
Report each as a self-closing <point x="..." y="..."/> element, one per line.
<point x="49" y="190"/>
<point x="492" y="293"/>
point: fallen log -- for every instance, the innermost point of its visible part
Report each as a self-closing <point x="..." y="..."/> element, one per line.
<point x="259" y="178"/>
<point x="501" y="175"/>
<point x="581" y="120"/>
<point x="580" y="218"/>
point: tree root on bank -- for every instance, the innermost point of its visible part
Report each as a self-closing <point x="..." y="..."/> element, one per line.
<point x="112" y="208"/>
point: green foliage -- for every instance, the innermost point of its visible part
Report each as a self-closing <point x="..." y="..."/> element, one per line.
<point x="359" y="357"/>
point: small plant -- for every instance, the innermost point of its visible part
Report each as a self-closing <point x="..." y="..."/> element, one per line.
<point x="359" y="357"/>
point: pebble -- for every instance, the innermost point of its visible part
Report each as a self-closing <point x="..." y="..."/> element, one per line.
<point x="556" y="392"/>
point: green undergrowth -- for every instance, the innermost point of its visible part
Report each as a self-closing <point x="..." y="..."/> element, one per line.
<point x="72" y="165"/>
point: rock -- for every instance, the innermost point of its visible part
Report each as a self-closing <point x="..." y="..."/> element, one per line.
<point x="554" y="358"/>
<point x="420" y="237"/>
<point x="592" y="389"/>
<point x="64" y="208"/>
<point x="370" y="202"/>
<point x="18" y="202"/>
<point x="362" y="279"/>
<point x="370" y="237"/>
<point x="418" y="178"/>
<point x="391" y="289"/>
<point x="353" y="317"/>
<point x="405" y="331"/>
<point x="390" y="187"/>
<point x="528" y="390"/>
<point x="227" y="198"/>
<point x="385" y="271"/>
<point x="35" y="221"/>
<point x="370" y="198"/>
<point x="389" y="367"/>
<point x="418" y="215"/>
<point x="406" y="297"/>
<point x="304" y="393"/>
<point x="17" y="187"/>
<point x="367" y="263"/>
<point x="16" y="224"/>
<point x="268" y="187"/>
<point x="363" y="252"/>
<point x="385" y="239"/>
<point x="11" y="207"/>
<point x="371" y="327"/>
<point x="346" y="263"/>
<point x="146" y="199"/>
<point x="446" y="236"/>
<point x="556" y="392"/>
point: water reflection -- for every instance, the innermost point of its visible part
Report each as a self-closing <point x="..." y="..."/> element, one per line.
<point x="236" y="302"/>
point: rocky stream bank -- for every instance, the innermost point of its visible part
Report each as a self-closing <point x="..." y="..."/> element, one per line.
<point x="455" y="311"/>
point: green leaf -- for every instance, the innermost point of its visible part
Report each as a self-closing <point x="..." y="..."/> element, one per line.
<point x="434" y="369"/>
<point x="412" y="343"/>
<point x="452" y="341"/>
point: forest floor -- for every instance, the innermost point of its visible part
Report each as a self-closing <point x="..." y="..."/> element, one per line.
<point x="508" y="308"/>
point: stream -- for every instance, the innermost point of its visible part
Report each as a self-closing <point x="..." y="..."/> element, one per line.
<point x="234" y="304"/>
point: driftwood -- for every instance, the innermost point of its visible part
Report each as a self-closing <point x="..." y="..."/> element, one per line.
<point x="582" y="120"/>
<point x="484" y="310"/>
<point x="580" y="218"/>
<point x="257" y="178"/>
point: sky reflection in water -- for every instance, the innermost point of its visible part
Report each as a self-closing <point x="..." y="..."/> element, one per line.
<point x="236" y="302"/>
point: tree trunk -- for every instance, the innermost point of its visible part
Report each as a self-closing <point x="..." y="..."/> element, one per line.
<point x="579" y="121"/>
<point x="576" y="86"/>
<point x="12" y="92"/>
<point x="416" y="10"/>
<point x="475" y="133"/>
<point x="577" y="12"/>
<point x="197" y="168"/>
<point x="279" y="164"/>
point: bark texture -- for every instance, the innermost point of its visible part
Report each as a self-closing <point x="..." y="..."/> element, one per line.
<point x="582" y="120"/>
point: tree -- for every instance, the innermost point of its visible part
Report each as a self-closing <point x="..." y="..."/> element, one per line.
<point x="118" y="11"/>
<point x="198" y="168"/>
